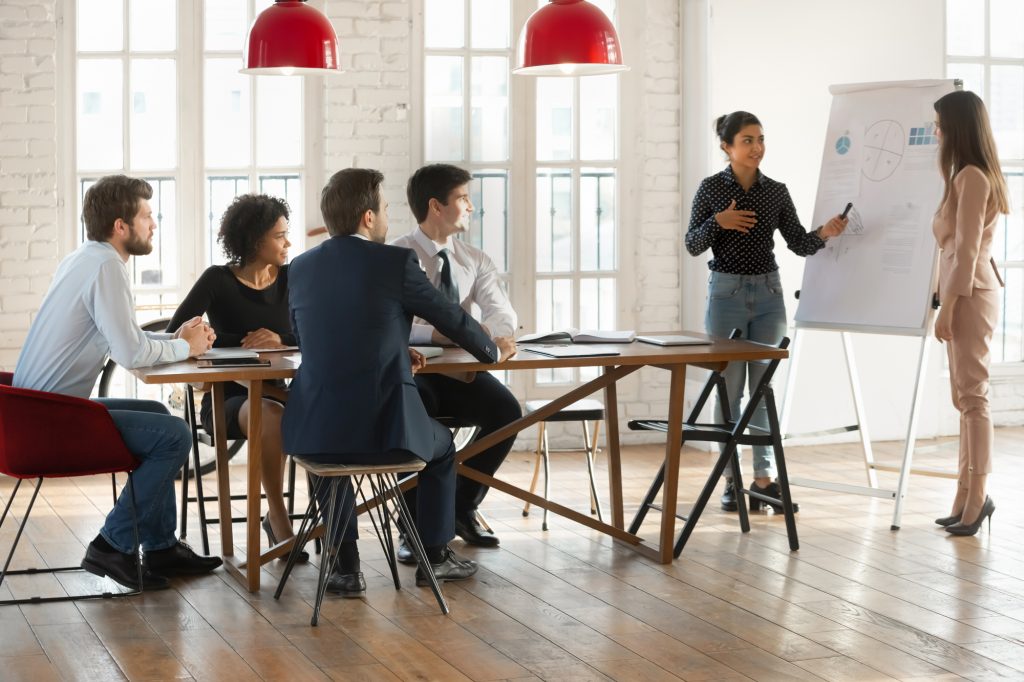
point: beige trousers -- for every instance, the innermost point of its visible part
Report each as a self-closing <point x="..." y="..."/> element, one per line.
<point x="974" y="321"/>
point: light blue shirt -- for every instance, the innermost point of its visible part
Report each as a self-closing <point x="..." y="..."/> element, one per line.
<point x="88" y="314"/>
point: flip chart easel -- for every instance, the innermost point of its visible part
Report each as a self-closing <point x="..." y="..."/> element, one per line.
<point x="879" y="276"/>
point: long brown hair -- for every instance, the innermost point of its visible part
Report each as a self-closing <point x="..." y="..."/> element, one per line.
<point x="967" y="141"/>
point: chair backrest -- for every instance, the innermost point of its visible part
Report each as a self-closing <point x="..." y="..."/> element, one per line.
<point x="51" y="435"/>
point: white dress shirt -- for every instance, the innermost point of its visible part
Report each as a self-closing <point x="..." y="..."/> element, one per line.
<point x="89" y="313"/>
<point x="476" y="277"/>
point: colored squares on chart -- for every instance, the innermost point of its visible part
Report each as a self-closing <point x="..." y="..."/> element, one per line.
<point x="923" y="136"/>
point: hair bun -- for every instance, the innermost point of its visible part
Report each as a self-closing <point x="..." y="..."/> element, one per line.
<point x="720" y="125"/>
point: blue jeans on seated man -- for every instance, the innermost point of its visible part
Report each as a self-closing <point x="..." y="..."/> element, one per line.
<point x="754" y="305"/>
<point x="161" y="442"/>
<point x="435" y="503"/>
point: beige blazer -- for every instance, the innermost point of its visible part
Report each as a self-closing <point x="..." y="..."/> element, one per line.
<point x="964" y="227"/>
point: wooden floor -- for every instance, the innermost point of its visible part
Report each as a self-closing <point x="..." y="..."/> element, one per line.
<point x="857" y="602"/>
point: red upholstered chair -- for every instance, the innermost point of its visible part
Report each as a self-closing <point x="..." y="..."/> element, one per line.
<point x="48" y="435"/>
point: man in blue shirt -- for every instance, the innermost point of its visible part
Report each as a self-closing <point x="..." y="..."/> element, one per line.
<point x="88" y="314"/>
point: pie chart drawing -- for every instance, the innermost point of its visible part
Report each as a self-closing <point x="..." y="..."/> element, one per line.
<point x="883" y="149"/>
<point x="843" y="145"/>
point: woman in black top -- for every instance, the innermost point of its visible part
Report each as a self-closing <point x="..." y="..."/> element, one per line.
<point x="736" y="213"/>
<point x="246" y="302"/>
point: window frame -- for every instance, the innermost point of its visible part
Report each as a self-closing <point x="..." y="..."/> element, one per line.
<point x="191" y="170"/>
<point x="523" y="166"/>
<point x="1009" y="166"/>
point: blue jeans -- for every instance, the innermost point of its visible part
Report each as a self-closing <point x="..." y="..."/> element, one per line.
<point x="754" y="305"/>
<point x="161" y="442"/>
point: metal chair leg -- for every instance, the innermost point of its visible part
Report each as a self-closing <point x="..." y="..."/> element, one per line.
<point x="415" y="543"/>
<point x="302" y="535"/>
<point x="536" y="465"/>
<point x="382" y="513"/>
<point x="590" y="447"/>
<point x="547" y="479"/>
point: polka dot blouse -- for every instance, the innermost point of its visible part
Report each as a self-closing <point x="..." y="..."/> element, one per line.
<point x="751" y="253"/>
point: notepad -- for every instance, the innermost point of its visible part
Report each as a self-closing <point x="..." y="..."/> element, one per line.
<point x="232" y="362"/>
<point x="428" y="351"/>
<point x="571" y="351"/>
<point x="225" y="353"/>
<point x="580" y="336"/>
<point x="674" y="340"/>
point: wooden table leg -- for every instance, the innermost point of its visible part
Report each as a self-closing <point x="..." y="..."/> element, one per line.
<point x="611" y="414"/>
<point x="220" y="444"/>
<point x="673" y="445"/>
<point x="254" y="486"/>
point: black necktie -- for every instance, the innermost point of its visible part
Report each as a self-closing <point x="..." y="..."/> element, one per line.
<point x="447" y="285"/>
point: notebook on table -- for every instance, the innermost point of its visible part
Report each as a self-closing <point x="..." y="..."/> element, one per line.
<point x="428" y="351"/>
<point x="566" y="351"/>
<point x="674" y="340"/>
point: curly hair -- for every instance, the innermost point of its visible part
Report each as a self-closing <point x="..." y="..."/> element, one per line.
<point x="245" y="222"/>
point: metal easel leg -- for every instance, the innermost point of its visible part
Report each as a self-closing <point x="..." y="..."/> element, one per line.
<point x="787" y="398"/>
<point x="858" y="406"/>
<point x="908" y="452"/>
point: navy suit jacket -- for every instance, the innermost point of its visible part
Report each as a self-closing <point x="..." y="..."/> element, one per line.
<point x="352" y="302"/>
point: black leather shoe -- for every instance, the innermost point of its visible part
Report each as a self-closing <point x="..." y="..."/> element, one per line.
<point x="180" y="559"/>
<point x="470" y="530"/>
<point x="451" y="567"/>
<point x="772" y="490"/>
<point x="950" y="520"/>
<point x="348" y="585"/>
<point x="729" y="497"/>
<point x="122" y="569"/>
<point x="404" y="552"/>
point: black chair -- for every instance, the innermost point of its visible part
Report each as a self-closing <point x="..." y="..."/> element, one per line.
<point x="731" y="434"/>
<point x="200" y="435"/>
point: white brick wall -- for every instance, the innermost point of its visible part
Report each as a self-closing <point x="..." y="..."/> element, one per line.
<point x="363" y="126"/>
<point x="28" y="180"/>
<point x="363" y="106"/>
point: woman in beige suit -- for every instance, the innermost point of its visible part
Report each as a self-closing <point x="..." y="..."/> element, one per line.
<point x="975" y="195"/>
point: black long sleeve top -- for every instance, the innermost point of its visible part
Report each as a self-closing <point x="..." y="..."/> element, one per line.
<point x="751" y="253"/>
<point x="234" y="309"/>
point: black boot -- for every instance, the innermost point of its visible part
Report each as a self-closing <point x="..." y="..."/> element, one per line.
<point x="729" y="497"/>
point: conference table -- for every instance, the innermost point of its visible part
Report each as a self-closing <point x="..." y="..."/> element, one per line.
<point x="630" y="358"/>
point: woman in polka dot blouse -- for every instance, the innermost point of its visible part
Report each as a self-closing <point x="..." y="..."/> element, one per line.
<point x="736" y="213"/>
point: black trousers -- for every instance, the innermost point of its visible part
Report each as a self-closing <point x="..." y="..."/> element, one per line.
<point x="484" y="402"/>
<point x="436" y="483"/>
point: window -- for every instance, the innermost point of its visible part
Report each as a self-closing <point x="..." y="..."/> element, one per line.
<point x="985" y="48"/>
<point x="466" y="73"/>
<point x="576" y="259"/>
<point x="159" y="96"/>
<point x="558" y="241"/>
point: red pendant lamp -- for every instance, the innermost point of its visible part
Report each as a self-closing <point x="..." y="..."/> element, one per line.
<point x="291" y="38"/>
<point x="569" y="38"/>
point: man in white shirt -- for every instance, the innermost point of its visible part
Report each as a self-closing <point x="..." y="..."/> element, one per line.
<point x="88" y="314"/>
<point x="439" y="199"/>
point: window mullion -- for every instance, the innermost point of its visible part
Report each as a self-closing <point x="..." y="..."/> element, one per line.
<point x="126" y="90"/>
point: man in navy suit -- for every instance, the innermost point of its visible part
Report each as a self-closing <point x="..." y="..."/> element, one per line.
<point x="353" y="399"/>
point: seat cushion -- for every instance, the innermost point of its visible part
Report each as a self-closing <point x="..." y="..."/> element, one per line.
<point x="331" y="469"/>
<point x="587" y="409"/>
